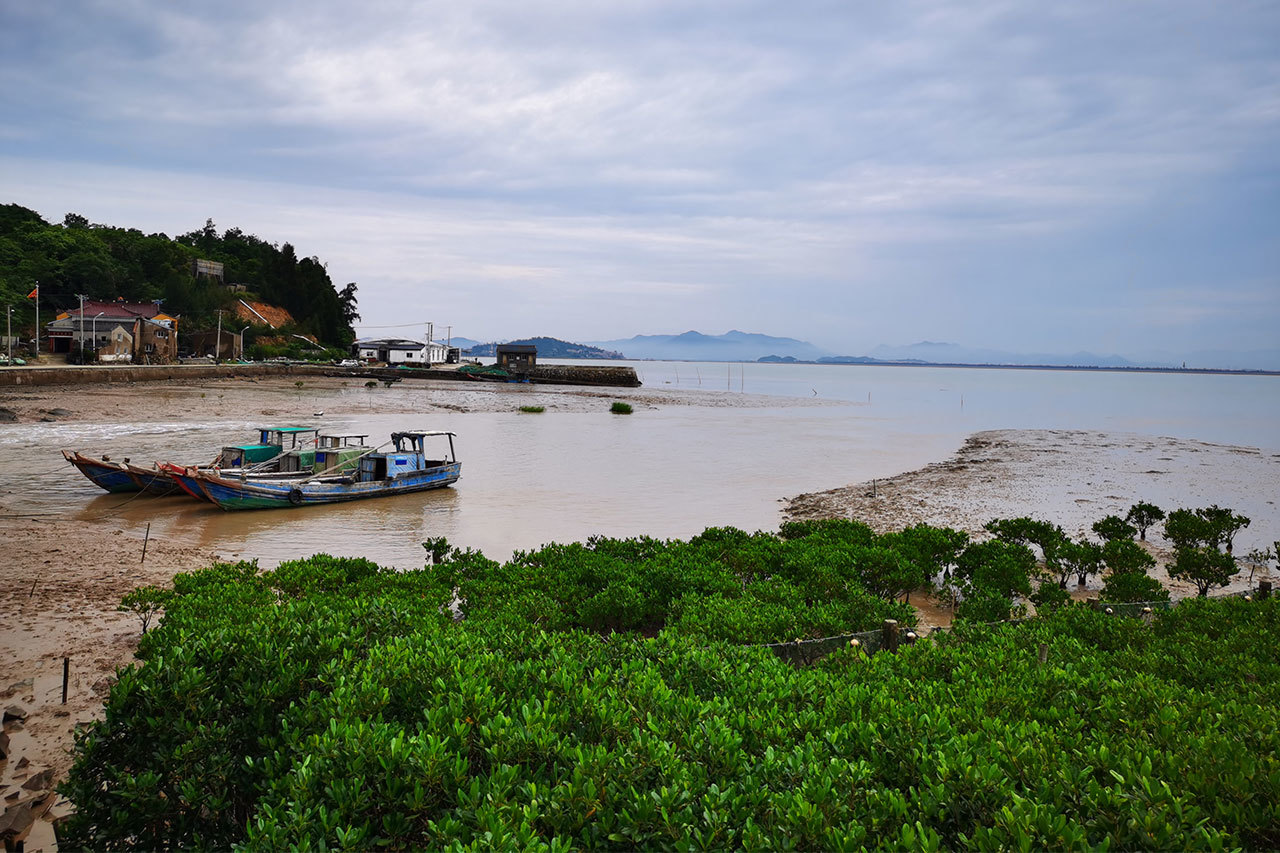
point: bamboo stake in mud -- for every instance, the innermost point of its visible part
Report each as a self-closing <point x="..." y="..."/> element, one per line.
<point x="66" y="673"/>
<point x="145" y="540"/>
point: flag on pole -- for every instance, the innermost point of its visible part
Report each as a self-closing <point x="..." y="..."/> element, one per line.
<point x="35" y="294"/>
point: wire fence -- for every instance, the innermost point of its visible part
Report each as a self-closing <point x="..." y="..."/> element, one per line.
<point x="891" y="635"/>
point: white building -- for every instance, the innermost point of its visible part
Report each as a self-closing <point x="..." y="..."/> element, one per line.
<point x="401" y="351"/>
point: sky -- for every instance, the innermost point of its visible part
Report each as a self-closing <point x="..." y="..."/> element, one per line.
<point x="1094" y="176"/>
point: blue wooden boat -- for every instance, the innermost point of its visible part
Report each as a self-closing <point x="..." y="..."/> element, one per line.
<point x="277" y="447"/>
<point x="405" y="469"/>
<point x="332" y="454"/>
<point x="112" y="476"/>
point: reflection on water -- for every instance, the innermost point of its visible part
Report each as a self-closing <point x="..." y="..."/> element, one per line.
<point x="666" y="471"/>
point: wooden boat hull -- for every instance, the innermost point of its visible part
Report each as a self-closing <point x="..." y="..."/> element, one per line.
<point x="234" y="493"/>
<point x="112" y="476"/>
<point x="153" y="481"/>
<point x="185" y="481"/>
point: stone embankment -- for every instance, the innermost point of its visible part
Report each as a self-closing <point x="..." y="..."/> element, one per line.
<point x="616" y="377"/>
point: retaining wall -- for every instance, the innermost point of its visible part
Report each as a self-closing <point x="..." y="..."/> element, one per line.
<point x="617" y="377"/>
<point x="13" y="376"/>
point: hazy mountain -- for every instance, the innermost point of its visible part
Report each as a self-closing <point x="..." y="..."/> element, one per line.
<point x="695" y="346"/>
<point x="947" y="353"/>
<point x="549" y="348"/>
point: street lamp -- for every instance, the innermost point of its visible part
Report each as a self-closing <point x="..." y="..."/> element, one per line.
<point x="242" y="331"/>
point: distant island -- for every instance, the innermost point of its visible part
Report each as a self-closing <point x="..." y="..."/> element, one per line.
<point x="549" y="348"/>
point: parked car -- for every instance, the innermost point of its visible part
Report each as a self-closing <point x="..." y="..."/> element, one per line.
<point x="348" y="362"/>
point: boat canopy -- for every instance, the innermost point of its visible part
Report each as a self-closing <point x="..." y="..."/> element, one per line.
<point x="333" y="440"/>
<point x="414" y="440"/>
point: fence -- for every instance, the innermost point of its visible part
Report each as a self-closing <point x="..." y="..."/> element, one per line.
<point x="891" y="635"/>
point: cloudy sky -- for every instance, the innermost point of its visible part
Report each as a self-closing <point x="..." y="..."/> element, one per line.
<point x="1025" y="176"/>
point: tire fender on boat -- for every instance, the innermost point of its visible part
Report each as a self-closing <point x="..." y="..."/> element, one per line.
<point x="295" y="496"/>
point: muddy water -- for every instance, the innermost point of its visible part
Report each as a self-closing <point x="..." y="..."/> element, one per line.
<point x="526" y="479"/>
<point x="665" y="471"/>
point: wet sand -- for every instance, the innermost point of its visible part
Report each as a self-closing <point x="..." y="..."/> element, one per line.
<point x="1070" y="478"/>
<point x="63" y="581"/>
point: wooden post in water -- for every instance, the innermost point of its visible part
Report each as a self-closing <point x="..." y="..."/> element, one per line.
<point x="889" y="635"/>
<point x="1264" y="589"/>
<point x="145" y="540"/>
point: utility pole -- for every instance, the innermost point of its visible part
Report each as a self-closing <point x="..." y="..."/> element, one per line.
<point x="37" y="353"/>
<point x="217" y="348"/>
<point x="81" y="296"/>
<point x="8" y="332"/>
<point x="448" y="336"/>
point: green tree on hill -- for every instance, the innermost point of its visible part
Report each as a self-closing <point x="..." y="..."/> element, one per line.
<point x="104" y="262"/>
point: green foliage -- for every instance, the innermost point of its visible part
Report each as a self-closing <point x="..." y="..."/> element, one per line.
<point x="1113" y="528"/>
<point x="1133" y="586"/>
<point x="1125" y="555"/>
<point x="620" y="408"/>
<point x="533" y="410"/>
<point x="1185" y="529"/>
<point x="983" y="607"/>
<point x="1080" y="558"/>
<point x="1206" y="567"/>
<point x="146" y="602"/>
<point x="1048" y="596"/>
<point x="437" y="549"/>
<point x="724" y="584"/>
<point x="995" y="569"/>
<point x="106" y="263"/>
<point x="360" y="716"/>
<point x="1221" y="525"/>
<point x="1142" y="515"/>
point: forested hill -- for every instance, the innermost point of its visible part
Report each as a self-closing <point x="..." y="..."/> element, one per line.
<point x="108" y="262"/>
<point x="551" y="348"/>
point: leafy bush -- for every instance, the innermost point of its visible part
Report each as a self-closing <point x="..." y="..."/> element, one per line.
<point x="533" y="410"/>
<point x="1049" y="595"/>
<point x="1114" y="528"/>
<point x="360" y="717"/>
<point x="621" y="408"/>
<point x="1142" y="515"/>
<point x="826" y="582"/>
<point x="1133" y="586"/>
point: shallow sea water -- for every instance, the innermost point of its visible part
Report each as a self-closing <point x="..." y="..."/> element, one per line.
<point x="665" y="471"/>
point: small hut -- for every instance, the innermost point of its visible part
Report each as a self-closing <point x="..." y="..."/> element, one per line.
<point x="517" y="357"/>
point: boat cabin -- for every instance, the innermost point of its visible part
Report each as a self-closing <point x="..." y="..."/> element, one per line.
<point x="339" y="453"/>
<point x="409" y="457"/>
<point x="272" y="442"/>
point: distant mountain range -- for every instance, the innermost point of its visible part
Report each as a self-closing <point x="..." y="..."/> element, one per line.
<point x="745" y="346"/>
<point x="695" y="346"/>
<point x="943" y="353"/>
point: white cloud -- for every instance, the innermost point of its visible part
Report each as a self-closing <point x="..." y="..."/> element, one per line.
<point x="663" y="162"/>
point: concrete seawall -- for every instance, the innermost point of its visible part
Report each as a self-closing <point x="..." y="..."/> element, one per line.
<point x="618" y="377"/>
<point x="66" y="375"/>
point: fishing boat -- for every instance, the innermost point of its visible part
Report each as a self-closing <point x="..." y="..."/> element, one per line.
<point x="288" y="446"/>
<point x="374" y="473"/>
<point x="104" y="472"/>
<point x="333" y="453"/>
